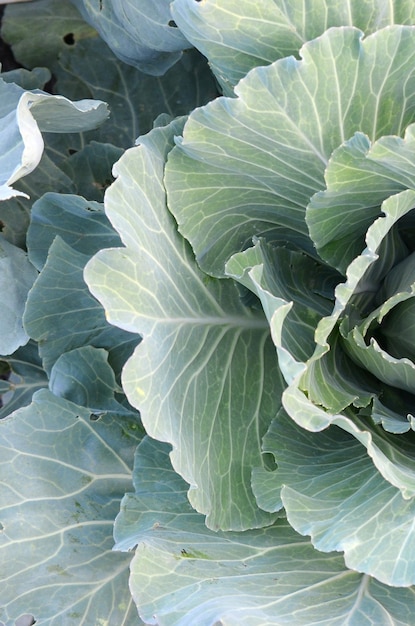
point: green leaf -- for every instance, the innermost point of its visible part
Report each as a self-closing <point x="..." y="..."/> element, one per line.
<point x="334" y="381"/>
<point x="294" y="292"/>
<point x="205" y="377"/>
<point x="392" y="456"/>
<point x="359" y="177"/>
<point x="85" y="377"/>
<point x="91" y="168"/>
<point x="183" y="573"/>
<point x="62" y="478"/>
<point x="331" y="379"/>
<point x="333" y="492"/>
<point x="62" y="315"/>
<point x="17" y="275"/>
<point x="140" y="34"/>
<point x="134" y="98"/>
<point x="23" y="115"/>
<point x="27" y="376"/>
<point x="397" y="372"/>
<point x="238" y="35"/>
<point x="401" y="316"/>
<point x="81" y="224"/>
<point x="15" y="213"/>
<point x="23" y="27"/>
<point x="28" y="80"/>
<point x="397" y="419"/>
<point x="72" y="51"/>
<point x="248" y="166"/>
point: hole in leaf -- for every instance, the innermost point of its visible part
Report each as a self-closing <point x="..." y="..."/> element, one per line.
<point x="25" y="620"/>
<point x="94" y="417"/>
<point x="269" y="461"/>
<point x="69" y="39"/>
<point x="172" y="23"/>
<point x="72" y="151"/>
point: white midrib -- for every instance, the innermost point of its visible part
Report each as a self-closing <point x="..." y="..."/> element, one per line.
<point x="234" y="322"/>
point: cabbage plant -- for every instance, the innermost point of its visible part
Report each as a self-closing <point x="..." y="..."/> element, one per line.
<point x="208" y="345"/>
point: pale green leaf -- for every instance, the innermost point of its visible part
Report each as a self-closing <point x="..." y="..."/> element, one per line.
<point x="183" y="574"/>
<point x="62" y="478"/>
<point x="334" y="381"/>
<point x="394" y="413"/>
<point x="80" y="223"/>
<point x="333" y="492"/>
<point x="140" y="33"/>
<point x="237" y="35"/>
<point x="26" y="376"/>
<point x="359" y="177"/>
<point x="267" y="489"/>
<point x="392" y="455"/>
<point x="401" y="316"/>
<point x="248" y="166"/>
<point x="205" y="377"/>
<point x="17" y="276"/>
<point x="135" y="99"/>
<point x="365" y="273"/>
<point x="332" y="378"/>
<point x="23" y="115"/>
<point x="295" y="292"/>
<point x="397" y="372"/>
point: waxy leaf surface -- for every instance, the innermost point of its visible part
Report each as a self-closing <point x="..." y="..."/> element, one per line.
<point x="205" y="377"/>
<point x="184" y="573"/>
<point x="62" y="479"/>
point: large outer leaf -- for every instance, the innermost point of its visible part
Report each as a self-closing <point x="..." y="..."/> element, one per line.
<point x="184" y="574"/>
<point x="250" y="165"/>
<point x="140" y="33"/>
<point x="237" y="35"/>
<point x="205" y="377"/>
<point x="62" y="478"/>
<point x="333" y="492"/>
